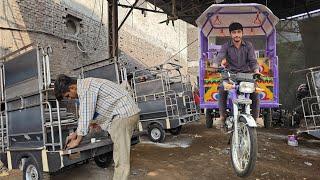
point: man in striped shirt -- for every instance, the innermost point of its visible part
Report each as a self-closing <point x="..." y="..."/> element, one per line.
<point x="116" y="110"/>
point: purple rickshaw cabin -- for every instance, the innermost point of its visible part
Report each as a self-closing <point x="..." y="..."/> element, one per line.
<point x="259" y="28"/>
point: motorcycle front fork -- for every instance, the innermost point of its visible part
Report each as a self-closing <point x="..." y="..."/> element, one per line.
<point x="232" y="121"/>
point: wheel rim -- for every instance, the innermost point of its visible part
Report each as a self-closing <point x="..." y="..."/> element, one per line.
<point x="32" y="173"/>
<point x="155" y="133"/>
<point x="241" y="154"/>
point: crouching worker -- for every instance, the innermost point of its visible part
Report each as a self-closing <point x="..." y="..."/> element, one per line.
<point x="113" y="103"/>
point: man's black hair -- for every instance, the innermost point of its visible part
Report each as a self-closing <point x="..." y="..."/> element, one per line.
<point x="235" y="26"/>
<point x="62" y="84"/>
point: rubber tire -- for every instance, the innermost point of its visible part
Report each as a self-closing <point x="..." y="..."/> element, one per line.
<point x="209" y="118"/>
<point x="267" y="118"/>
<point x="162" y="133"/>
<point x="42" y="175"/>
<point x="175" y="131"/>
<point x="253" y="152"/>
<point x="104" y="160"/>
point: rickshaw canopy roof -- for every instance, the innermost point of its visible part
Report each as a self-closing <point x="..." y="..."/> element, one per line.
<point x="256" y="19"/>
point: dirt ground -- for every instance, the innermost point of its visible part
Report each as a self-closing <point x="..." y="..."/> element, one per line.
<point x="202" y="154"/>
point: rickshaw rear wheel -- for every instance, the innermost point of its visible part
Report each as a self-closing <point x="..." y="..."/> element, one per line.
<point x="104" y="160"/>
<point x="209" y="118"/>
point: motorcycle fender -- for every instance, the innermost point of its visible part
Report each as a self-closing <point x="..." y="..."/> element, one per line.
<point x="250" y="121"/>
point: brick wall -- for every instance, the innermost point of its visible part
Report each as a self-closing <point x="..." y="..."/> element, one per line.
<point x="142" y="39"/>
<point x="193" y="53"/>
<point x="44" y="22"/>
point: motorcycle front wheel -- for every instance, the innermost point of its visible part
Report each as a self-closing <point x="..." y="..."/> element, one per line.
<point x="244" y="155"/>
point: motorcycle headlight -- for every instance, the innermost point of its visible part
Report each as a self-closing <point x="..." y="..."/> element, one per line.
<point x="247" y="87"/>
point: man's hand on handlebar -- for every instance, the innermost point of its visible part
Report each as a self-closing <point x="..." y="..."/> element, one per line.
<point x="257" y="74"/>
<point x="224" y="63"/>
<point x="215" y="68"/>
<point x="214" y="65"/>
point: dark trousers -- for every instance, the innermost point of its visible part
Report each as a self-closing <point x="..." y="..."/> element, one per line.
<point x="223" y="97"/>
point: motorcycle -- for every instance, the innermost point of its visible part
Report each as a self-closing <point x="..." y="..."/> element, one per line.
<point x="240" y="123"/>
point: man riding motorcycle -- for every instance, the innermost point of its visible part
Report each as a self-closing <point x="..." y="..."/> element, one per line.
<point x="238" y="56"/>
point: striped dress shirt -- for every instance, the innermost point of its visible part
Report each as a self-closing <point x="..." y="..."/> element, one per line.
<point x="105" y="98"/>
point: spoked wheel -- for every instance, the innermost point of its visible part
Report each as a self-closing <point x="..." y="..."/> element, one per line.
<point x="244" y="155"/>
